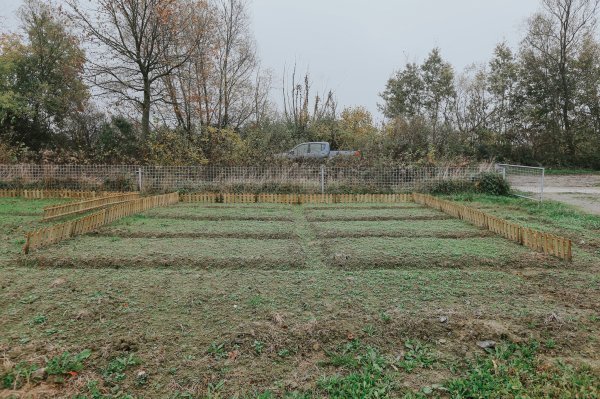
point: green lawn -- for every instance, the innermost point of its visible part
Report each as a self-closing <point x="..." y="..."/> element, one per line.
<point x="111" y="315"/>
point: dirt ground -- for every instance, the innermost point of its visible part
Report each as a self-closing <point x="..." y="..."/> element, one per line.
<point x="334" y="309"/>
<point x="581" y="191"/>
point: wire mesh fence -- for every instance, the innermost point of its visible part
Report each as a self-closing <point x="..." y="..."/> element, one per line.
<point x="238" y="179"/>
<point x="526" y="181"/>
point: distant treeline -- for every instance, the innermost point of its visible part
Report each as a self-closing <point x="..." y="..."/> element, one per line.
<point x="179" y="82"/>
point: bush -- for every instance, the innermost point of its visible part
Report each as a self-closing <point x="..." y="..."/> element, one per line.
<point x="493" y="184"/>
<point x="447" y="187"/>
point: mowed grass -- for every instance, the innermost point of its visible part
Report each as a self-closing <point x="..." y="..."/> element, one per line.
<point x="384" y="213"/>
<point x="17" y="217"/>
<point x="226" y="212"/>
<point x="12" y="206"/>
<point x="262" y="318"/>
<point x="142" y="224"/>
<point x="391" y="227"/>
<point x="420" y="252"/>
<point x="89" y="251"/>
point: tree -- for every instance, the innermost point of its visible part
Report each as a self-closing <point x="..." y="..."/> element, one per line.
<point x="438" y="94"/>
<point x="554" y="39"/>
<point x="502" y="84"/>
<point x="138" y="45"/>
<point x="41" y="77"/>
<point x="426" y="91"/>
<point x="302" y="111"/>
<point x="356" y="128"/>
<point x="403" y="95"/>
<point x="221" y="84"/>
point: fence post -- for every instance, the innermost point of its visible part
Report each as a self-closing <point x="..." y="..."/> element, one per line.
<point x="139" y="176"/>
<point x="322" y="179"/>
<point x="542" y="183"/>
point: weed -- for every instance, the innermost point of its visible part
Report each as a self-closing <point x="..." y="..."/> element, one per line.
<point x="95" y="393"/>
<point x="67" y="362"/>
<point x="369" y="329"/>
<point x="417" y="355"/>
<point x="550" y="344"/>
<point x="18" y="375"/>
<point x="39" y="319"/>
<point x="284" y="352"/>
<point x="258" y="347"/>
<point x="514" y="371"/>
<point x="217" y="350"/>
<point x="29" y="299"/>
<point x="367" y="379"/>
<point x="385" y="317"/>
<point x="115" y="371"/>
<point x="257" y="301"/>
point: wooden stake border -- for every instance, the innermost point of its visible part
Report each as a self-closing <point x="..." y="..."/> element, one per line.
<point x="546" y="243"/>
<point x="294" y="199"/>
<point x="47" y="194"/>
<point x="63" y="231"/>
<point x="73" y="208"/>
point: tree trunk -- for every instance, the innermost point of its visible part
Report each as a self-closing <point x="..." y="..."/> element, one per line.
<point x="146" y="110"/>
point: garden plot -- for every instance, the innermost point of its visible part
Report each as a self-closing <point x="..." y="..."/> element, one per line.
<point x="391" y="252"/>
<point x="117" y="252"/>
<point x="302" y="316"/>
<point x="361" y="214"/>
<point x="450" y="228"/>
<point x="362" y="206"/>
<point x="143" y="226"/>
<point x="203" y="212"/>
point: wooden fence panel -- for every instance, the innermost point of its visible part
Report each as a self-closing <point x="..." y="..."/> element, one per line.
<point x="58" y="211"/>
<point x="59" y="232"/>
<point x="46" y="194"/>
<point x="294" y="199"/>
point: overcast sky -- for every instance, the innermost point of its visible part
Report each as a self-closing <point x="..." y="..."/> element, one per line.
<point x="353" y="46"/>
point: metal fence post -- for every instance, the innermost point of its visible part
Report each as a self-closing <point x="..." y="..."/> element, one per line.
<point x="322" y="179"/>
<point x="139" y="176"/>
<point x="542" y="185"/>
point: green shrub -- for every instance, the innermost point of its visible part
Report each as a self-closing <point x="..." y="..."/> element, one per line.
<point x="493" y="184"/>
<point x="447" y="187"/>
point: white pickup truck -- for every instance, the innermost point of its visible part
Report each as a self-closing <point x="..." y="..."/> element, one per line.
<point x="316" y="150"/>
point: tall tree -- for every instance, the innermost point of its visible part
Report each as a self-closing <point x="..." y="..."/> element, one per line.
<point x="438" y="95"/>
<point x="403" y="94"/>
<point x="137" y="45"/>
<point x="555" y="37"/>
<point x="41" y="77"/>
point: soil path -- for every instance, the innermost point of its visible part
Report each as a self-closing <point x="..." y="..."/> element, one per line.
<point x="581" y="191"/>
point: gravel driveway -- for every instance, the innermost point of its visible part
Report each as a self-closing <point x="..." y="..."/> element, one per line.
<point x="581" y="191"/>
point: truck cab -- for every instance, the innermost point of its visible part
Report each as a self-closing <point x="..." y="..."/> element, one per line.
<point x="310" y="150"/>
<point x="316" y="150"/>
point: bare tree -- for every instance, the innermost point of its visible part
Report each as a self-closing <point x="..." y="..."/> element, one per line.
<point x="296" y="103"/>
<point x="221" y="84"/>
<point x="137" y="46"/>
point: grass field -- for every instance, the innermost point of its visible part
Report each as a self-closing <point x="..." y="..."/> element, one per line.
<point x="266" y="301"/>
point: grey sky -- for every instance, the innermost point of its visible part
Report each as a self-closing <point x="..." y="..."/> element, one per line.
<point x="353" y="46"/>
